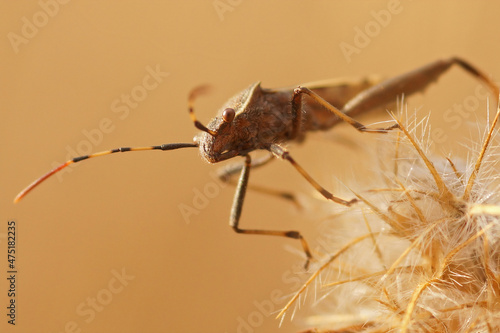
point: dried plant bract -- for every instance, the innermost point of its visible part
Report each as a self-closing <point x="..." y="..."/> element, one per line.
<point x="425" y="253"/>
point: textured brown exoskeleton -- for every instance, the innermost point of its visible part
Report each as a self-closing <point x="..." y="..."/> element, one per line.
<point x="266" y="119"/>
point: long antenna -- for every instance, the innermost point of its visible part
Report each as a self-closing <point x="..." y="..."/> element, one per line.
<point x="170" y="146"/>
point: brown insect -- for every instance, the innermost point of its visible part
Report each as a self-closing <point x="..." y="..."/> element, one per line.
<point x="266" y="119"/>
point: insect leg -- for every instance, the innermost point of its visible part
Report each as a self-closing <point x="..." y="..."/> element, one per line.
<point x="237" y="207"/>
<point x="384" y="92"/>
<point x="409" y="83"/>
<point x="226" y="175"/>
<point x="285" y="155"/>
<point x="297" y="105"/>
<point x="230" y="170"/>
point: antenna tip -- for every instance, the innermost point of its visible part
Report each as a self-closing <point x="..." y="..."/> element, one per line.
<point x="22" y="194"/>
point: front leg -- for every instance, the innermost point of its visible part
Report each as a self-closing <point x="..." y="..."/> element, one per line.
<point x="226" y="174"/>
<point x="237" y="207"/>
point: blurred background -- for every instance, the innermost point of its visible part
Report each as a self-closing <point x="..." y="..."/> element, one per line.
<point x="140" y="242"/>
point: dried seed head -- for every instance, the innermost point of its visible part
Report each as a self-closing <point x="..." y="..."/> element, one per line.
<point x="424" y="243"/>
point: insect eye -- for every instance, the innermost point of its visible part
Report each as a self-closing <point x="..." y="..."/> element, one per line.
<point x="228" y="115"/>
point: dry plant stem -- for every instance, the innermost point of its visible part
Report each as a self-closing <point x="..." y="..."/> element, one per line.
<point x="320" y="269"/>
<point x="437" y="278"/>
<point x="492" y="280"/>
<point x="444" y="193"/>
<point x="396" y="153"/>
<point x="473" y="176"/>
<point x="394" y="224"/>
<point x="412" y="304"/>
<point x="455" y="170"/>
<point x="480" y="209"/>
<point x="367" y="276"/>
<point x="463" y="306"/>
<point x="471" y="327"/>
<point x="414" y="244"/>
<point x="412" y="202"/>
<point x="375" y="244"/>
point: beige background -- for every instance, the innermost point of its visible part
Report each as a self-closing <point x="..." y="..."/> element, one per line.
<point x="123" y="211"/>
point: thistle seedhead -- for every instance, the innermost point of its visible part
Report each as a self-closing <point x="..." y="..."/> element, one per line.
<point x="423" y="253"/>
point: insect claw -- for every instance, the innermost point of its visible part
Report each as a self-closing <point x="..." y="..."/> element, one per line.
<point x="352" y="201"/>
<point x="306" y="265"/>
<point x="395" y="126"/>
<point x="309" y="259"/>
